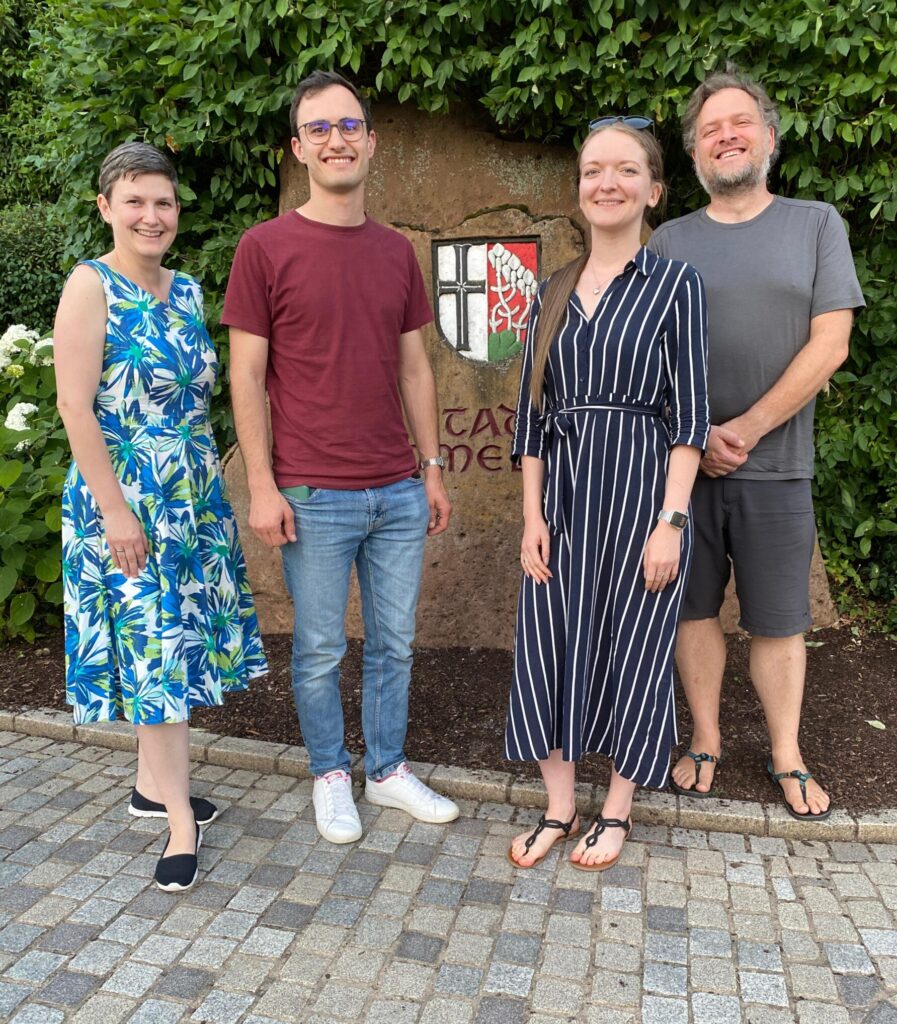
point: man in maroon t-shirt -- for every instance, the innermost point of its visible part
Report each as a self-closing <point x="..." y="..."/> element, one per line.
<point x="325" y="309"/>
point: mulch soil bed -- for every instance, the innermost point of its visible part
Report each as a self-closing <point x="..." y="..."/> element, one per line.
<point x="459" y="700"/>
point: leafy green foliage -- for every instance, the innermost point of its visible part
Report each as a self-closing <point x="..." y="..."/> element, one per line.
<point x="23" y="131"/>
<point x="33" y="464"/>
<point x="211" y="80"/>
<point x="30" y="265"/>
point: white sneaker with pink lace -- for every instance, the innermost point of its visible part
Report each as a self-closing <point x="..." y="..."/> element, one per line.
<point x="335" y="813"/>
<point x="404" y="790"/>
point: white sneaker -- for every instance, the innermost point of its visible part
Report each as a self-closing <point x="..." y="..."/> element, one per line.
<point x="403" y="789"/>
<point x="335" y="813"/>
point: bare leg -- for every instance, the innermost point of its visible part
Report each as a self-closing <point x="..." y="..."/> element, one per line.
<point x="618" y="804"/>
<point x="166" y="749"/>
<point x="778" y="670"/>
<point x="701" y="660"/>
<point x="560" y="778"/>
<point x="146" y="784"/>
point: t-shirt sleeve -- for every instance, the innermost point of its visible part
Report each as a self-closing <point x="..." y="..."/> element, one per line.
<point x="418" y="310"/>
<point x="835" y="285"/>
<point x="657" y="243"/>
<point x="247" y="302"/>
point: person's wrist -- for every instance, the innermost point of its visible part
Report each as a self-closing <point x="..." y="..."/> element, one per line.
<point x="114" y="507"/>
<point x="673" y="519"/>
<point x="262" y="486"/>
<point x="431" y="464"/>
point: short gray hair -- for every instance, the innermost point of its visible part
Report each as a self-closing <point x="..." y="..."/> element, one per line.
<point x="731" y="78"/>
<point x="133" y="158"/>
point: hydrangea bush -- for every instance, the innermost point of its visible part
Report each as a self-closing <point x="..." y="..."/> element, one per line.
<point x="34" y="457"/>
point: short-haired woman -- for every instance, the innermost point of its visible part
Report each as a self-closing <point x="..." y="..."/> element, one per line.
<point x="159" y="616"/>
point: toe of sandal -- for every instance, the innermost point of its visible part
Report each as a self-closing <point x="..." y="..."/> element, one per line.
<point x="699" y="760"/>
<point x="544" y="823"/>
<point x="803" y="778"/>
<point x="600" y="825"/>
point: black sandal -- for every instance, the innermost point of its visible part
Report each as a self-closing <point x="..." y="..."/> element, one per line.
<point x="802" y="777"/>
<point x="698" y="759"/>
<point x="601" y="825"/>
<point x="544" y="823"/>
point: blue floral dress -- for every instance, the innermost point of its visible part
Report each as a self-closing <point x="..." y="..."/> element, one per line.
<point x="184" y="631"/>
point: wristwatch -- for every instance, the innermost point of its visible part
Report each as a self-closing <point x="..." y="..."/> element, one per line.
<point x="437" y="460"/>
<point x="678" y="520"/>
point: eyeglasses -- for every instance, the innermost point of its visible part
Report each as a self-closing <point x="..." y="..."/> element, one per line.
<point x="639" y="123"/>
<point x="318" y="132"/>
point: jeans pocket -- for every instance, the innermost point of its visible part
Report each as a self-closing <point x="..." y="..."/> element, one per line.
<point x="301" y="499"/>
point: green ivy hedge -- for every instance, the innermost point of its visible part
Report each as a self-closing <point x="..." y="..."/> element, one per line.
<point x="30" y="265"/>
<point x="23" y="129"/>
<point x="211" y="80"/>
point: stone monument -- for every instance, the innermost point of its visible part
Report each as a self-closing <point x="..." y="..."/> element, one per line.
<point x="488" y="219"/>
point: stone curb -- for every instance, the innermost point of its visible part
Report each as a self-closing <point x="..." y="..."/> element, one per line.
<point x="650" y="808"/>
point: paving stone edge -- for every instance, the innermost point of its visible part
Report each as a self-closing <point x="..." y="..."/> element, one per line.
<point x="650" y="808"/>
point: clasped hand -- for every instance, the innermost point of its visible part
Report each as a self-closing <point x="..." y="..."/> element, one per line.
<point x="726" y="451"/>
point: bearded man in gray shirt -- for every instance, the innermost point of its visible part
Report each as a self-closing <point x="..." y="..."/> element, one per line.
<point x="781" y="295"/>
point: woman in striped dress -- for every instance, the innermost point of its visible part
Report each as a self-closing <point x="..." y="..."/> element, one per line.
<point x="612" y="419"/>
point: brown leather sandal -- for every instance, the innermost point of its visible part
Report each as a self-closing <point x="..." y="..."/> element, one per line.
<point x="601" y="825"/>
<point x="544" y="823"/>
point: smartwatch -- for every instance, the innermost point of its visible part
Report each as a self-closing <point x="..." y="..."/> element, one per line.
<point x="678" y="520"/>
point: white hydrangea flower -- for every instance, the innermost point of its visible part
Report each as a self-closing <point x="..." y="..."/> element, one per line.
<point x="10" y="343"/>
<point x="42" y="352"/>
<point x="18" y="332"/>
<point x="17" y="417"/>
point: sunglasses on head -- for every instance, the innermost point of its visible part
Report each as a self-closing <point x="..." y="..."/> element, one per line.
<point x="639" y="123"/>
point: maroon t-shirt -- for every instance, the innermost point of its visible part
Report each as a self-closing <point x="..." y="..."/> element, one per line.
<point x="332" y="302"/>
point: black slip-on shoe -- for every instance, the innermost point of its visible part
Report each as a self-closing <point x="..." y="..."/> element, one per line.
<point x="204" y="811"/>
<point x="177" y="873"/>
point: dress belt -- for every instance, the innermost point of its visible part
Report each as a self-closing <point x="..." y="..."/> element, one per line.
<point x="558" y="420"/>
<point x="556" y="424"/>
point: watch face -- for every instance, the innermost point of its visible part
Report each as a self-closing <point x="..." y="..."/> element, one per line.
<point x="677" y="519"/>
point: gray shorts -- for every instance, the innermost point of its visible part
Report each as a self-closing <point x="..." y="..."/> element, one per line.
<point x="766" y="531"/>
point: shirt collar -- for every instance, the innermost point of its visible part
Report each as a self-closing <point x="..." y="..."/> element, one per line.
<point x="645" y="261"/>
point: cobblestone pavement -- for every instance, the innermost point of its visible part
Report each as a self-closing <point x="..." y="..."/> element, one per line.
<point x="415" y="924"/>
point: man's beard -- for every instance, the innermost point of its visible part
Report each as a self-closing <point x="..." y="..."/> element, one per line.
<point x="746" y="179"/>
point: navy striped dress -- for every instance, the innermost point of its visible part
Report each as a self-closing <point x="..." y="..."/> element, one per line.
<point x="594" y="650"/>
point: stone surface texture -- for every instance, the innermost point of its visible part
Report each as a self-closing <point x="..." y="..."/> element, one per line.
<point x="416" y="923"/>
<point x="437" y="179"/>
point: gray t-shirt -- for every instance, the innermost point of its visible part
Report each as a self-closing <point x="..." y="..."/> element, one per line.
<point x="766" y="278"/>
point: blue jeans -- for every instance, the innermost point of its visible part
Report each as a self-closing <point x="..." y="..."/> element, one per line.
<point x="382" y="531"/>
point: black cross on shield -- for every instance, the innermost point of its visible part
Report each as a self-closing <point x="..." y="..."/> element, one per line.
<point x="460" y="286"/>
